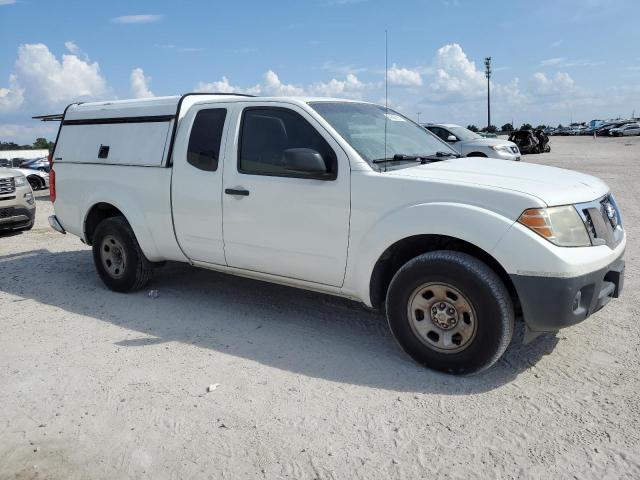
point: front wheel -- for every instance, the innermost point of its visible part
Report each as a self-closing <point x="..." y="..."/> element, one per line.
<point x="118" y="258"/>
<point x="450" y="312"/>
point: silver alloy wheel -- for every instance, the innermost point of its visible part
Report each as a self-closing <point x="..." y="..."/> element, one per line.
<point x="112" y="255"/>
<point x="442" y="317"/>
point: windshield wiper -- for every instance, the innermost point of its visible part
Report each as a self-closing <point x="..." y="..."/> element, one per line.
<point x="401" y="157"/>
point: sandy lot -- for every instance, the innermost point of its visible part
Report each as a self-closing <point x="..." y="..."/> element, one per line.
<point x="95" y="384"/>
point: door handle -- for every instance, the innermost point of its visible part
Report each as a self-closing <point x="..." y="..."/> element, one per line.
<point x="236" y="191"/>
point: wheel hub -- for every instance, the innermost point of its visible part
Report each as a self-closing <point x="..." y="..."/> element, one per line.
<point x="442" y="317"/>
<point x="113" y="256"/>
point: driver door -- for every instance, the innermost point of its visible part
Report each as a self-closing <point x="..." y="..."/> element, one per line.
<point x="278" y="221"/>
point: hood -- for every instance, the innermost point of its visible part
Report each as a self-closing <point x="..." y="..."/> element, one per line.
<point x="9" y="172"/>
<point x="553" y="186"/>
<point x="27" y="171"/>
<point x="489" y="142"/>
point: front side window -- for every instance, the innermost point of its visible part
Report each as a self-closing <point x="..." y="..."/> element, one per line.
<point x="464" y="133"/>
<point x="270" y="135"/>
<point x="204" y="142"/>
<point x="377" y="133"/>
<point x="440" y="132"/>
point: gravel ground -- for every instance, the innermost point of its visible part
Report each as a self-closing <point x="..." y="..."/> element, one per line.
<point x="96" y="384"/>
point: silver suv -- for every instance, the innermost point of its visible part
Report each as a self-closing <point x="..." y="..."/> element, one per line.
<point x="470" y="144"/>
<point x="17" y="205"/>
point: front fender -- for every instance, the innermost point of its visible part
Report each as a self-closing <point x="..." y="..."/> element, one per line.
<point x="478" y="226"/>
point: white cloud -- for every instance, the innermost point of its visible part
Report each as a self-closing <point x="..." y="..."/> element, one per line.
<point x="7" y="2"/>
<point x="139" y="84"/>
<point x="560" y="83"/>
<point x="72" y="47"/>
<point x="26" y="134"/>
<point x="454" y="77"/>
<point x="550" y="62"/>
<point x="130" y="19"/>
<point x="47" y="81"/>
<point x="273" y="86"/>
<point x="224" y="86"/>
<point x="350" y="87"/>
<point x="557" y="43"/>
<point x="404" y="77"/>
<point x="11" y="98"/>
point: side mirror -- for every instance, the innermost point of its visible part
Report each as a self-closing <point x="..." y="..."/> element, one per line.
<point x="304" y="160"/>
<point x="452" y="138"/>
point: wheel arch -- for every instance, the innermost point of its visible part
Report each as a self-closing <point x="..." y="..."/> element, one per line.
<point x="408" y="248"/>
<point x="477" y="154"/>
<point x="103" y="209"/>
<point x="97" y="213"/>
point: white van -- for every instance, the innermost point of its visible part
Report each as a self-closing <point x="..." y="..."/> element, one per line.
<point x="342" y="197"/>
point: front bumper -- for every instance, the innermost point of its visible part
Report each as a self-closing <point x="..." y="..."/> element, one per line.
<point x="16" y="217"/>
<point x="549" y="303"/>
<point x="506" y="155"/>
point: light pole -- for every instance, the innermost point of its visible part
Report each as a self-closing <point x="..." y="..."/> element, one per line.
<point x="487" y="73"/>
<point x="419" y="113"/>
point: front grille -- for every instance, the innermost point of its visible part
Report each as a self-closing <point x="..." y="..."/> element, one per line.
<point x="603" y="221"/>
<point x="7" y="185"/>
<point x="6" y="212"/>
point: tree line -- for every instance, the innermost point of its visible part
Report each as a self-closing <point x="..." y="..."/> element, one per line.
<point x="39" y="144"/>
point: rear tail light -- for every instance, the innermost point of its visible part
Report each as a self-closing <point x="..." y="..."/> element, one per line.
<point x="52" y="180"/>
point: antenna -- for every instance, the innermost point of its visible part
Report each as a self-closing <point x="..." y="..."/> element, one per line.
<point x="386" y="94"/>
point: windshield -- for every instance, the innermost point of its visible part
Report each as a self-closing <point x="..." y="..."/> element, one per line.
<point x="362" y="125"/>
<point x="463" y="133"/>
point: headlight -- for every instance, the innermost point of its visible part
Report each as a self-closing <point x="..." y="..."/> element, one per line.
<point x="501" y="148"/>
<point x="20" y="181"/>
<point x="562" y="226"/>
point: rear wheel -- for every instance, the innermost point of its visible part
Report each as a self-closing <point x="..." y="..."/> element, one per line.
<point x="451" y="312"/>
<point x="118" y="258"/>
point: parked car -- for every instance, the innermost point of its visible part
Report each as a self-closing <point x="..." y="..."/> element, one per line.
<point x="17" y="205"/>
<point x="625" y="130"/>
<point x="606" y="128"/>
<point x="530" y="142"/>
<point x="471" y="144"/>
<point x="41" y="164"/>
<point x="36" y="178"/>
<point x="341" y="197"/>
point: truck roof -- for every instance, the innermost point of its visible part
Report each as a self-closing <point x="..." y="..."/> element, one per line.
<point x="163" y="106"/>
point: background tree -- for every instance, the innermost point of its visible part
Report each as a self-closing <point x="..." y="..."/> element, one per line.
<point x="541" y="127"/>
<point x="507" y="127"/>
<point x="490" y="129"/>
<point x="526" y="126"/>
<point x="473" y="128"/>
<point x="42" y="143"/>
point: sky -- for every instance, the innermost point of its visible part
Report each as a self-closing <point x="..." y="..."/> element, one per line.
<point x="553" y="61"/>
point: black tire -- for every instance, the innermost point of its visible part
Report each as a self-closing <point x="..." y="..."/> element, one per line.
<point x="136" y="269"/>
<point x="34" y="182"/>
<point x="486" y="293"/>
<point x="477" y="154"/>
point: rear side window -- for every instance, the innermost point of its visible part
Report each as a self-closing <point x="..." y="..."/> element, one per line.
<point x="268" y="132"/>
<point x="204" y="143"/>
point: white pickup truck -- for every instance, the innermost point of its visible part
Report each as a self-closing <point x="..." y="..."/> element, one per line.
<point x="341" y="197"/>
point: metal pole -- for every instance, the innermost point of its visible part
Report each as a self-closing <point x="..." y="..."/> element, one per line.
<point x="487" y="73"/>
